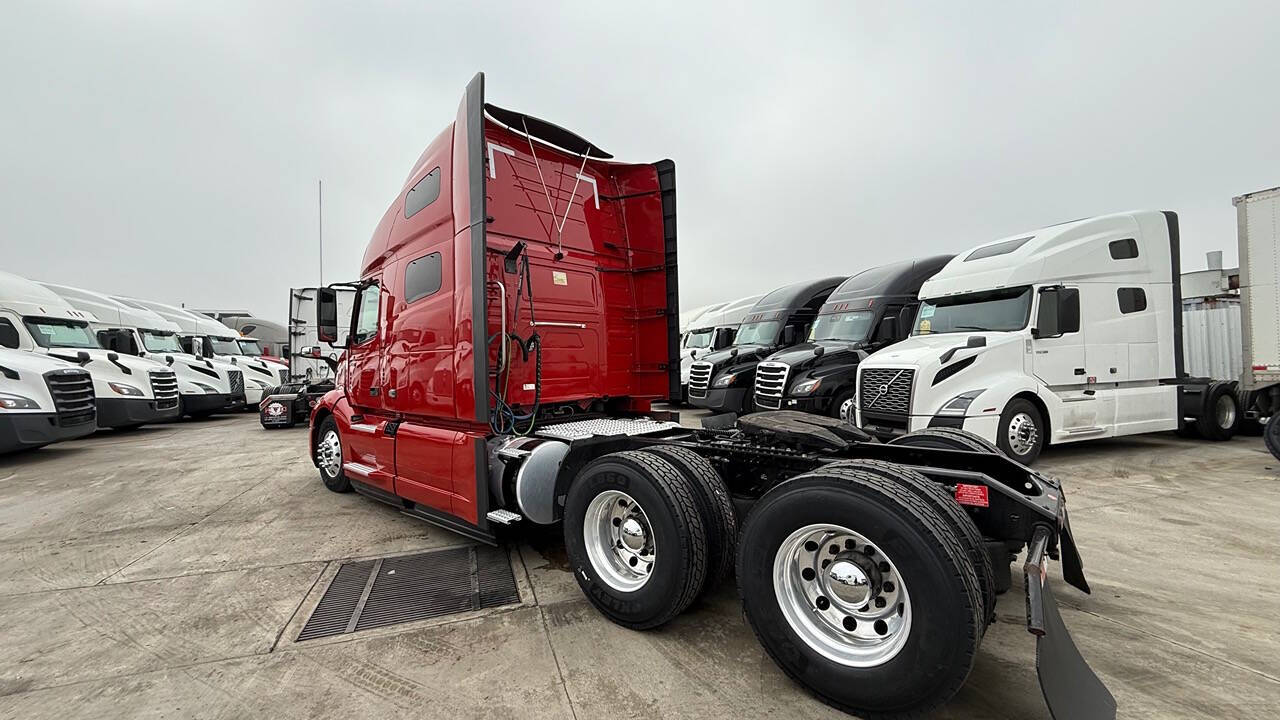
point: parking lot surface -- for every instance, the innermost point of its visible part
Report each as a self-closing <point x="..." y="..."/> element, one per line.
<point x="167" y="572"/>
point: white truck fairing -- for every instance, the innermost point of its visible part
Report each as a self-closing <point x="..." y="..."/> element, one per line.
<point x="42" y="400"/>
<point x="202" y="335"/>
<point x="131" y="329"/>
<point x="986" y="335"/>
<point x="129" y="390"/>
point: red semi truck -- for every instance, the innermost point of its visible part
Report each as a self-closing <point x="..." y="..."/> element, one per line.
<point x="515" y="317"/>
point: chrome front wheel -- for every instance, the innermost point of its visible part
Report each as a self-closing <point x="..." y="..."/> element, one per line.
<point x="329" y="453"/>
<point x="842" y="595"/>
<point x="1023" y="435"/>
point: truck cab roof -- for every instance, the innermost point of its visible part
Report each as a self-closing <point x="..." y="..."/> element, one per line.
<point x="789" y="298"/>
<point x="900" y="280"/>
<point x="1079" y="251"/>
<point x="110" y="312"/>
<point x="27" y="298"/>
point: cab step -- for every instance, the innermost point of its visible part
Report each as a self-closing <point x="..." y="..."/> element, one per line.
<point x="506" y="517"/>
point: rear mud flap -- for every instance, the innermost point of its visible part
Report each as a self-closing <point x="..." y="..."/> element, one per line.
<point x="1071" y="689"/>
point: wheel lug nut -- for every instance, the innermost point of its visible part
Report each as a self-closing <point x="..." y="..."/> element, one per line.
<point x="850" y="624"/>
<point x="808" y="574"/>
<point x="822" y="603"/>
<point x="850" y="544"/>
<point x="879" y="602"/>
<point x="887" y="586"/>
<point x="811" y="546"/>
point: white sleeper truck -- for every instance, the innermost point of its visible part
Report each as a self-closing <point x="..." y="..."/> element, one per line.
<point x="1258" y="232"/>
<point x="130" y="391"/>
<point x="43" y="400"/>
<point x="204" y="387"/>
<point x="1070" y="332"/>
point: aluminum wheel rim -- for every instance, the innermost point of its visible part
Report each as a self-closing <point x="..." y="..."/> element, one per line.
<point x="329" y="452"/>
<point x="846" y="411"/>
<point x="842" y="595"/>
<point x="1023" y="434"/>
<point x="1225" y="410"/>
<point x="619" y="541"/>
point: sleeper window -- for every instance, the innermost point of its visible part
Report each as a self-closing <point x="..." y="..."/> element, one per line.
<point x="422" y="277"/>
<point x="1132" y="300"/>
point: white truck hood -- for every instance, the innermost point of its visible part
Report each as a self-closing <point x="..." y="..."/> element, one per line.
<point x="923" y="353"/>
<point x="21" y="361"/>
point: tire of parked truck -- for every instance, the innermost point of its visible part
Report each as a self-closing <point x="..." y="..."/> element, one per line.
<point x="634" y="536"/>
<point x="949" y="510"/>
<point x="869" y="633"/>
<point x="1023" y="431"/>
<point x="838" y="402"/>
<point x="1221" y="414"/>
<point x="947" y="439"/>
<point x="1271" y="434"/>
<point x="328" y="453"/>
<point x="716" y="508"/>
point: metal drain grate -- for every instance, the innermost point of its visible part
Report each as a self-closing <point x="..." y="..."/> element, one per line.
<point x="377" y="593"/>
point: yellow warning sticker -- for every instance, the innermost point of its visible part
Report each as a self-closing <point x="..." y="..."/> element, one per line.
<point x="559" y="278"/>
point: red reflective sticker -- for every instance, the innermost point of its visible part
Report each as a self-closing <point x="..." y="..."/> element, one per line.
<point x="975" y="495"/>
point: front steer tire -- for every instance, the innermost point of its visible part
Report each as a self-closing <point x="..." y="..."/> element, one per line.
<point x="946" y="606"/>
<point x="670" y="517"/>
<point x="332" y="474"/>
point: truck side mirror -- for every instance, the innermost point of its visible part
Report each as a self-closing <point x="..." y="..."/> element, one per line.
<point x="906" y="318"/>
<point x="327" y="314"/>
<point x="888" y="329"/>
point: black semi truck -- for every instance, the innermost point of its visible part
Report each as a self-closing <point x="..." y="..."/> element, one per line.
<point x="870" y="310"/>
<point x="724" y="381"/>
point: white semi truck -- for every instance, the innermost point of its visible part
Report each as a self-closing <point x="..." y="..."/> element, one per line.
<point x="202" y="335"/>
<point x="204" y="386"/>
<point x="130" y="391"/>
<point x="1066" y="333"/>
<point x="43" y="400"/>
<point x="1258" y="235"/>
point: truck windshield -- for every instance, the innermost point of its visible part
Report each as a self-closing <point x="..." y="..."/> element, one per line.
<point x="157" y="341"/>
<point x="852" y="326"/>
<point x="250" y="347"/>
<point x="698" y="339"/>
<point x="996" y="310"/>
<point x="54" y="333"/>
<point x="224" y="346"/>
<point x="758" y="333"/>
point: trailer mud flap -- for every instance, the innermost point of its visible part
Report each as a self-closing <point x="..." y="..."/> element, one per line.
<point x="1071" y="689"/>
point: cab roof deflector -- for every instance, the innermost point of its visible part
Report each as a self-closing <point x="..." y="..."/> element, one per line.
<point x="546" y="132"/>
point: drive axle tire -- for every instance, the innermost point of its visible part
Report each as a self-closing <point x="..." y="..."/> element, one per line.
<point x="1221" y="415"/>
<point x="1022" y="432"/>
<point x="328" y="454"/>
<point x="718" y="518"/>
<point x="1271" y="434"/>
<point x="947" y="439"/>
<point x="860" y="592"/>
<point x="949" y="510"/>
<point x="634" y="536"/>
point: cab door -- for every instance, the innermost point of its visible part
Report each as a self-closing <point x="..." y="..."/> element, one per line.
<point x="369" y="446"/>
<point x="1058" y="359"/>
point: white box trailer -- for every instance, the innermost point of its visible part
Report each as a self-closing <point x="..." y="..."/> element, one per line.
<point x="307" y="352"/>
<point x="1258" y="235"/>
<point x="1065" y="333"/>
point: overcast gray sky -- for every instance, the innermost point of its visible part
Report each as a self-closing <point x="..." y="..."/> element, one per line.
<point x="171" y="150"/>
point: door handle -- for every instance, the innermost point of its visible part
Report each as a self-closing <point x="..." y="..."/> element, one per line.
<point x="1079" y="371"/>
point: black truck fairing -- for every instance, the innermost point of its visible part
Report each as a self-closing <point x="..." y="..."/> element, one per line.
<point x="723" y="381"/>
<point x="868" y="311"/>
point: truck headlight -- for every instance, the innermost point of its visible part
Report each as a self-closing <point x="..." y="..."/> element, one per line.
<point x="206" y="388"/>
<point x="806" y="387"/>
<point x="959" y="404"/>
<point x="123" y="389"/>
<point x="9" y="401"/>
<point x="725" y="380"/>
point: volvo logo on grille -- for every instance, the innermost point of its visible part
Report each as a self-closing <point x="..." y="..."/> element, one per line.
<point x="884" y="389"/>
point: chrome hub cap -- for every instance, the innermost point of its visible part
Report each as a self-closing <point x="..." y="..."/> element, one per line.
<point x="1225" y="412"/>
<point x="1023" y="434"/>
<point x="619" y="541"/>
<point x="846" y="411"/>
<point x="842" y="595"/>
<point x="329" y="453"/>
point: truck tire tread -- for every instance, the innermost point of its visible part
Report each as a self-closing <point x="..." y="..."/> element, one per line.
<point x="719" y="519"/>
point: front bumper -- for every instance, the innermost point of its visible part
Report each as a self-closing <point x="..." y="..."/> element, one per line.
<point x="818" y="404"/>
<point x="723" y="399"/>
<point x="212" y="402"/>
<point x="125" y="412"/>
<point x="29" y="430"/>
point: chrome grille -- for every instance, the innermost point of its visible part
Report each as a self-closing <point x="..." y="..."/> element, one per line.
<point x="73" y="399"/>
<point x="699" y="379"/>
<point x="885" y="390"/>
<point x="164" y="386"/>
<point x="237" y="382"/>
<point x="771" y="384"/>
